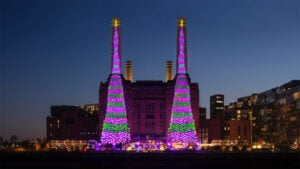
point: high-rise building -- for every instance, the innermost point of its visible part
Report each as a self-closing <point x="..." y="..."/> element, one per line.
<point x="217" y="106"/>
<point x="223" y="127"/>
<point x="273" y="113"/>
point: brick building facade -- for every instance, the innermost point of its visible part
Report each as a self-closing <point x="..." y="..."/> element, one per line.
<point x="148" y="106"/>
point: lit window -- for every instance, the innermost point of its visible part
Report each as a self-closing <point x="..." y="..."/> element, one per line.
<point x="297" y="96"/>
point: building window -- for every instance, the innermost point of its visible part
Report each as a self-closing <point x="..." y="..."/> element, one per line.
<point x="150" y="108"/>
<point x="162" y="107"/>
<point x="139" y="126"/>
<point x="149" y="116"/>
<point x="69" y="120"/>
<point x="204" y="135"/>
<point x="149" y="127"/>
<point x="58" y="124"/>
<point x="245" y="132"/>
<point x="297" y="96"/>
<point x="138" y="108"/>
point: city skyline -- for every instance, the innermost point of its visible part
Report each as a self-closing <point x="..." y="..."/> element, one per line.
<point x="56" y="58"/>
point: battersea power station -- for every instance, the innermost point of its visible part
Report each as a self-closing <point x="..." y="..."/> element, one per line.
<point x="131" y="111"/>
<point x="166" y="112"/>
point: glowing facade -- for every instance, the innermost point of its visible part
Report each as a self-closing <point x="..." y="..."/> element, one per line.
<point x="182" y="125"/>
<point x="115" y="127"/>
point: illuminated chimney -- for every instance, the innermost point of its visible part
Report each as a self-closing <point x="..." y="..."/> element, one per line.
<point x="169" y="70"/>
<point x="129" y="71"/>
<point x="116" y="47"/>
<point x="182" y="67"/>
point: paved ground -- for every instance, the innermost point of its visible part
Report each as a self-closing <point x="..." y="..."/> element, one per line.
<point x="57" y="160"/>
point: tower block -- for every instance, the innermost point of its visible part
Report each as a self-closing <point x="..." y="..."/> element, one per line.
<point x="182" y="125"/>
<point x="115" y="127"/>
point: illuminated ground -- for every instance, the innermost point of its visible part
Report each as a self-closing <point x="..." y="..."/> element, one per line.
<point x="150" y="160"/>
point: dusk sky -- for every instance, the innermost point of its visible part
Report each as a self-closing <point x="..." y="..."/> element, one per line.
<point x="56" y="52"/>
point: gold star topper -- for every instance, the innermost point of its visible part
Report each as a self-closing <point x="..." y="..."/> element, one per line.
<point x="181" y="22"/>
<point x="116" y="22"/>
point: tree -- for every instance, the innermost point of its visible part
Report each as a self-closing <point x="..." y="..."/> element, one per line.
<point x="182" y="125"/>
<point x="115" y="127"/>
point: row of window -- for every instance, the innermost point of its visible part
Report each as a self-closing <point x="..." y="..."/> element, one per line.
<point x="81" y="133"/>
<point x="88" y="133"/>
<point x="149" y="116"/>
<point x="149" y="108"/>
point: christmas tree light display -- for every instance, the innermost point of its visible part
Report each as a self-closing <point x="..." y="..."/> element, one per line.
<point x="115" y="127"/>
<point x="182" y="126"/>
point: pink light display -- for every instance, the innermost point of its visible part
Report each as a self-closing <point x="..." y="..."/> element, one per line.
<point x="182" y="125"/>
<point x="181" y="65"/>
<point x="115" y="127"/>
<point x="116" y="68"/>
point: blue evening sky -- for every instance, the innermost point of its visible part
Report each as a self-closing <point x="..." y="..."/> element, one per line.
<point x="56" y="52"/>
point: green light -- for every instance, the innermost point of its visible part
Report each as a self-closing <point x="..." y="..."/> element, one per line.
<point x="115" y="128"/>
<point x="180" y="114"/>
<point x="174" y="127"/>
<point x="116" y="115"/>
<point x="182" y="95"/>
<point x="181" y="104"/>
<point x="115" y="95"/>
<point x="115" y="87"/>
<point x="116" y="104"/>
